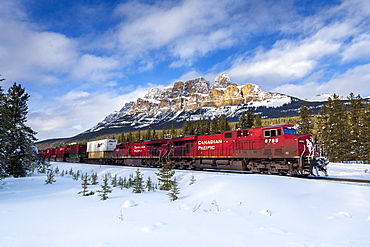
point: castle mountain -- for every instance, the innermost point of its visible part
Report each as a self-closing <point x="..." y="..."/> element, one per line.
<point x="197" y="99"/>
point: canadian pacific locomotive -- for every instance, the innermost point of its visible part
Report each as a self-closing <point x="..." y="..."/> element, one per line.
<point x="275" y="149"/>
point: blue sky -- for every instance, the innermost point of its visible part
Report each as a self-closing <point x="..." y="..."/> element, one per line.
<point x="81" y="60"/>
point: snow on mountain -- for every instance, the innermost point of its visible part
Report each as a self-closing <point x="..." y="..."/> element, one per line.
<point x="191" y="100"/>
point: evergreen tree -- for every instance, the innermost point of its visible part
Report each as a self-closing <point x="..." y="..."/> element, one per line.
<point x="105" y="188"/>
<point x="334" y="132"/>
<point x="50" y="177"/>
<point x="17" y="151"/>
<point x="138" y="182"/>
<point x="85" y="182"/>
<point x="173" y="131"/>
<point x="175" y="190"/>
<point x="121" y="183"/>
<point x="258" y="121"/>
<point x="246" y="121"/>
<point x="138" y="136"/>
<point x="187" y="129"/>
<point x="223" y="124"/>
<point x="164" y="176"/>
<point x="129" y="137"/>
<point x="192" y="180"/>
<point x="130" y="181"/>
<point x="148" y="134"/>
<point x="154" y="135"/>
<point x="94" y="179"/>
<point x="125" y="183"/>
<point x="213" y="128"/>
<point x="305" y="122"/>
<point x="149" y="184"/>
<point x="114" y="181"/>
<point x="358" y="127"/>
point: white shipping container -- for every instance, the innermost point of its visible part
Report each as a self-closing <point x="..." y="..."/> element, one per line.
<point x="101" y="145"/>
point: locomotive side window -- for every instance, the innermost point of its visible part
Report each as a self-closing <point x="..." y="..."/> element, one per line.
<point x="242" y="133"/>
<point x="228" y="135"/>
<point x="271" y="133"/>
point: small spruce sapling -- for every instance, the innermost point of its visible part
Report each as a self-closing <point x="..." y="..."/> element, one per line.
<point x="149" y="184"/>
<point x="175" y="191"/>
<point x="121" y="184"/>
<point x="85" y="182"/>
<point x="105" y="188"/>
<point x="94" y="179"/>
<point x="164" y="176"/>
<point x="50" y="177"/>
<point x="114" y="181"/>
<point x="125" y="183"/>
<point x="138" y="182"/>
<point x="192" y="180"/>
<point x="130" y="181"/>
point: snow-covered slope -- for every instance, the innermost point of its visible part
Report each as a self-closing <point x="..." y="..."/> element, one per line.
<point x="217" y="210"/>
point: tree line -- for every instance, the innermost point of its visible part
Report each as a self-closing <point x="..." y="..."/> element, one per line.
<point x="342" y="127"/>
<point x="17" y="153"/>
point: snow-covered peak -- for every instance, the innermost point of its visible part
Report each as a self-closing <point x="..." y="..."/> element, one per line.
<point x="222" y="81"/>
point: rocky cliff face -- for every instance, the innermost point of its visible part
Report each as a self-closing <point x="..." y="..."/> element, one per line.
<point x="197" y="93"/>
<point x="191" y="100"/>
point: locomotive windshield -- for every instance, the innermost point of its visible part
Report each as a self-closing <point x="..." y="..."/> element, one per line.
<point x="291" y="131"/>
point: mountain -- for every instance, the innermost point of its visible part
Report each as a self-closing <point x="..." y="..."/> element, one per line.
<point x="195" y="99"/>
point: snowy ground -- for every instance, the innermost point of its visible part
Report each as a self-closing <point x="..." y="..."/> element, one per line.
<point x="217" y="210"/>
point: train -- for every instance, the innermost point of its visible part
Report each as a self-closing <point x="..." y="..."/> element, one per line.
<point x="277" y="149"/>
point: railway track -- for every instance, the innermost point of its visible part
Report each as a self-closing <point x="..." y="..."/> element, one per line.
<point x="348" y="180"/>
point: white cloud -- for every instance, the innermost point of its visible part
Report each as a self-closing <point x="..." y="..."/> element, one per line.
<point x="286" y="61"/>
<point x="77" y="111"/>
<point x="33" y="55"/>
<point x="354" y="80"/>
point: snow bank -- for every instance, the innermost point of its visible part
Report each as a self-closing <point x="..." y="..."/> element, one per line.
<point x="217" y="210"/>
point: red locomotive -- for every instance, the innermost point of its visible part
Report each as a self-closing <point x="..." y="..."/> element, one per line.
<point x="274" y="149"/>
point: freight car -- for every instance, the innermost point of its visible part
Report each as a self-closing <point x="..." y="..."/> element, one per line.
<point x="275" y="149"/>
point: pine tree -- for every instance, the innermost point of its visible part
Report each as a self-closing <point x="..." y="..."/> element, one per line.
<point x="358" y="127"/>
<point x="334" y="132"/>
<point x="223" y="124"/>
<point x="138" y="182"/>
<point x="17" y="151"/>
<point x="173" y="131"/>
<point x="213" y="128"/>
<point x="125" y="183"/>
<point x="50" y="177"/>
<point x="187" y="129"/>
<point x="148" y="134"/>
<point x="121" y="183"/>
<point x="192" y="180"/>
<point x="114" y="181"/>
<point x="85" y="182"/>
<point x="138" y="136"/>
<point x="105" y="188"/>
<point x="164" y="176"/>
<point x="175" y="190"/>
<point x="258" y="121"/>
<point x="149" y="184"/>
<point x="94" y="179"/>
<point x="305" y="122"/>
